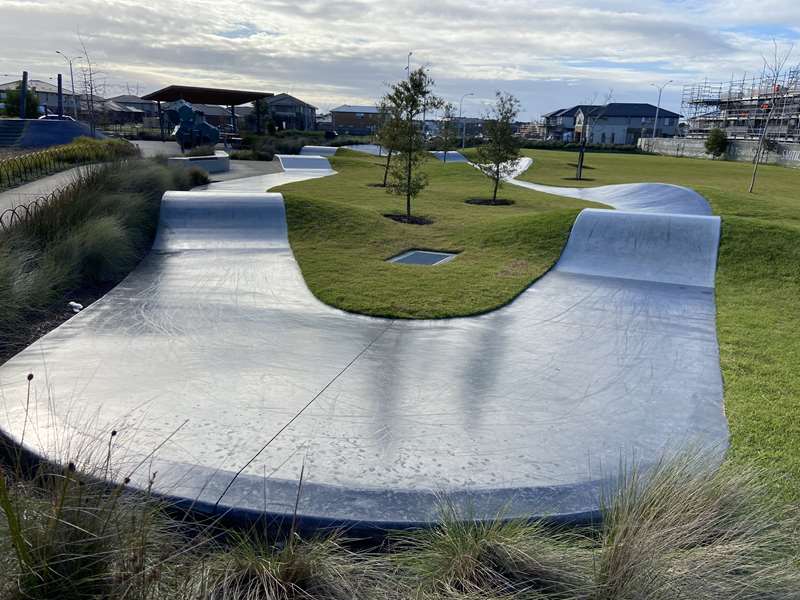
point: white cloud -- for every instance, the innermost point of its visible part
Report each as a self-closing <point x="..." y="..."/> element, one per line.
<point x="329" y="52"/>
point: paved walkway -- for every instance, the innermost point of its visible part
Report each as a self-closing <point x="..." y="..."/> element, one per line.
<point x="36" y="189"/>
<point x="29" y="192"/>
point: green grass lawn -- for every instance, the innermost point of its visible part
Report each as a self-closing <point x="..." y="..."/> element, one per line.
<point x="758" y="288"/>
<point x="341" y="240"/>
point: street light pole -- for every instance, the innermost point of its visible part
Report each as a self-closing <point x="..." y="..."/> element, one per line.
<point x="463" y="124"/>
<point x="408" y="65"/>
<point x="72" y="80"/>
<point x="658" y="106"/>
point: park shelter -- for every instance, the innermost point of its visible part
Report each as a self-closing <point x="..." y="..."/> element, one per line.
<point x="206" y="95"/>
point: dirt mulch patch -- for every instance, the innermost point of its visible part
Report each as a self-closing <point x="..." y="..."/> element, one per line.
<point x="489" y="202"/>
<point x="376" y="185"/>
<point x="412" y="220"/>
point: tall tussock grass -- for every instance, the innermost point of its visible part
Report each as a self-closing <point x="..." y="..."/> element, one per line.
<point x="90" y="234"/>
<point x="679" y="530"/>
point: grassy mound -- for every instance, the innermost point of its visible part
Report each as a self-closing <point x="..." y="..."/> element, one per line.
<point x="339" y="221"/>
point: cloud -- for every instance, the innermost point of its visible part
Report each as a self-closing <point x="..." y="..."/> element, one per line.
<point x="549" y="54"/>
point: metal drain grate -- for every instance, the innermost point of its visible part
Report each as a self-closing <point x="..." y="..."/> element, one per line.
<point x="422" y="257"/>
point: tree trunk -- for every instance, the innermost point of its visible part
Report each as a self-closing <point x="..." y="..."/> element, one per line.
<point x="386" y="170"/>
<point x="579" y="169"/>
<point x="496" y="183"/>
<point x="408" y="185"/>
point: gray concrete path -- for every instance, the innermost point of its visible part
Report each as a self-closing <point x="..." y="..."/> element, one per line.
<point x="24" y="194"/>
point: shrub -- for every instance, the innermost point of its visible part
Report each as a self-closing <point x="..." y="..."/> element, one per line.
<point x="206" y="150"/>
<point x="463" y="556"/>
<point x="31" y="103"/>
<point x="716" y="142"/>
<point x="21" y="168"/>
<point x="91" y="233"/>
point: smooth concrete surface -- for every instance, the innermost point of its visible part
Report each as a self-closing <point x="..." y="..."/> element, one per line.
<point x="150" y="148"/>
<point x="27" y="193"/>
<point x="301" y="162"/>
<point x="646" y="197"/>
<point x="318" y="150"/>
<point x="214" y="357"/>
<point x="219" y="162"/>
<point x="373" y="149"/>
<point x="452" y="156"/>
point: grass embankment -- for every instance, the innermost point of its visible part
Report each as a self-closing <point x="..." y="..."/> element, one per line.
<point x="758" y="288"/>
<point x="341" y="240"/>
<point x="79" y="244"/>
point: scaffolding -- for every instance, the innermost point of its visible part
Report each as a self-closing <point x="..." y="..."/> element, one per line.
<point x="744" y="107"/>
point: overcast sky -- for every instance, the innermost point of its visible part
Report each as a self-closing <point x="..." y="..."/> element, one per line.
<point x="549" y="53"/>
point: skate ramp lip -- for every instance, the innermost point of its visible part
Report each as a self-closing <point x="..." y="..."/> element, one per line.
<point x="318" y="151"/>
<point x="295" y="162"/>
<point x="662" y="248"/>
<point x="217" y="346"/>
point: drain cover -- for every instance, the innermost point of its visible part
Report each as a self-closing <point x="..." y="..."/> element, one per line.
<point x="423" y="257"/>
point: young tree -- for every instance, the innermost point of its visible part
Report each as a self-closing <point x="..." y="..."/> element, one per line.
<point x="498" y="157"/>
<point x="716" y="142"/>
<point x="31" y="103"/>
<point x="448" y="130"/>
<point x="408" y="99"/>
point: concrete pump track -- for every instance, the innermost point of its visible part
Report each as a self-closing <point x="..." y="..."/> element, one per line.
<point x="221" y="371"/>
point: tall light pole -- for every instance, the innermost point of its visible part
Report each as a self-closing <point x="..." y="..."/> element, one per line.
<point x="72" y="80"/>
<point x="408" y="65"/>
<point x="660" y="89"/>
<point x="463" y="124"/>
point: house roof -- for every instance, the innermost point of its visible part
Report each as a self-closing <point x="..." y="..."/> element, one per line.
<point x="36" y="84"/>
<point x="571" y="111"/>
<point x="631" y="109"/>
<point x="351" y="108"/>
<point x="130" y="99"/>
<point x="277" y="98"/>
<point x="205" y="95"/>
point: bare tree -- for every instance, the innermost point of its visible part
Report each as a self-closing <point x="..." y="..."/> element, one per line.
<point x="775" y="67"/>
<point x="89" y="74"/>
<point x="590" y="118"/>
<point x="448" y="129"/>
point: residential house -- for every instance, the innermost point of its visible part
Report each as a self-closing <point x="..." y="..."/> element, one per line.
<point x="624" y="123"/>
<point x="285" y="112"/>
<point x="560" y="124"/>
<point x="148" y="107"/>
<point x="47" y="93"/>
<point x="356" y="120"/>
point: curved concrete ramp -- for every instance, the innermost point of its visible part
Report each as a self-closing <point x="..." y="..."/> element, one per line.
<point x="662" y="248"/>
<point x="294" y="162"/>
<point x="318" y="150"/>
<point x="214" y="356"/>
<point x="642" y="197"/>
<point x="373" y="149"/>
